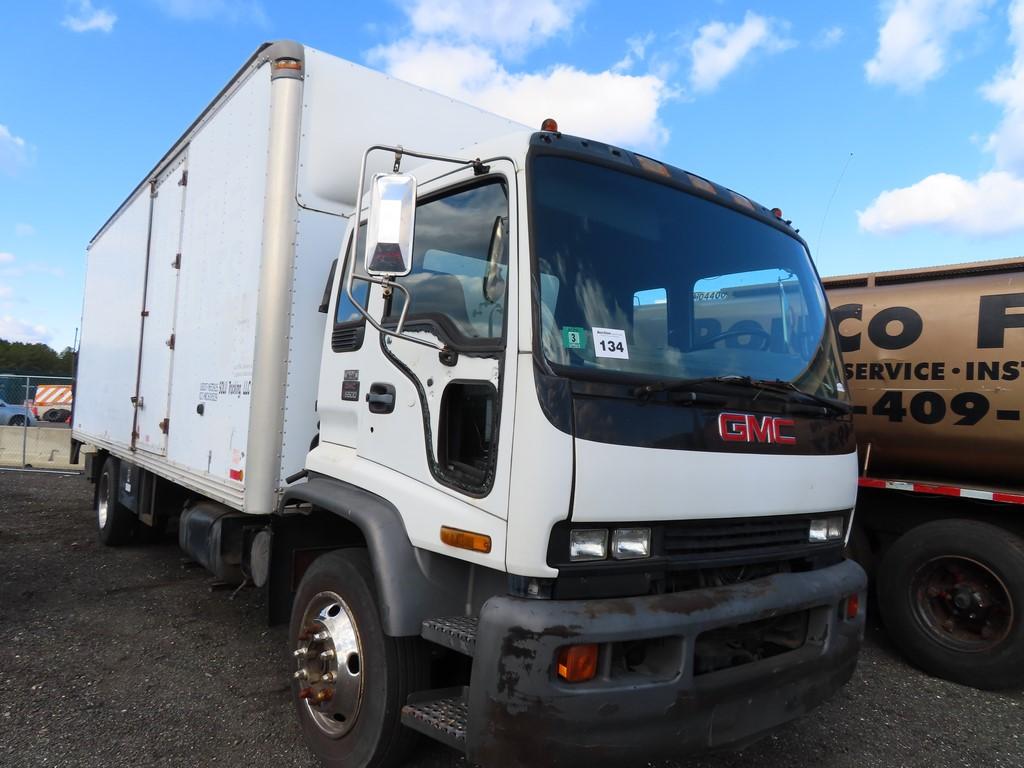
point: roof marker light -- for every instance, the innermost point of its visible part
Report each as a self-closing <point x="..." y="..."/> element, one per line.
<point x="549" y="124"/>
<point x="777" y="213"/>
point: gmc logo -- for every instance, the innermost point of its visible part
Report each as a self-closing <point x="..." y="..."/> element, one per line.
<point x="748" y="428"/>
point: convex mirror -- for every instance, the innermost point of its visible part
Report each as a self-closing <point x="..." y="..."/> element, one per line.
<point x="392" y="221"/>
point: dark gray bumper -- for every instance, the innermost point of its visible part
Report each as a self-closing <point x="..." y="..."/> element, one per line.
<point x="520" y="713"/>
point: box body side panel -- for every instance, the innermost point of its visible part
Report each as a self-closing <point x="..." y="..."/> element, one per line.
<point x="217" y="300"/>
<point x="111" y="317"/>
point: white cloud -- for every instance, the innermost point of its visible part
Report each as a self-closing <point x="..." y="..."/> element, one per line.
<point x="636" y="51"/>
<point x="1007" y="90"/>
<point x="234" y="11"/>
<point x="14" y="152"/>
<point x="913" y="43"/>
<point x="989" y="205"/>
<point x="721" y="47"/>
<point x="87" y="18"/>
<point x="610" y="106"/>
<point x="6" y="258"/>
<point x="12" y="329"/>
<point x="829" y="38"/>
<point x="509" y="24"/>
<point x="24" y="230"/>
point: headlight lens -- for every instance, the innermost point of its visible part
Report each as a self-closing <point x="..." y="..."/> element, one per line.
<point x="587" y="544"/>
<point x="631" y="543"/>
<point x="827" y="529"/>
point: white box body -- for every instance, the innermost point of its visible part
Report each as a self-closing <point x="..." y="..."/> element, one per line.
<point x="172" y="307"/>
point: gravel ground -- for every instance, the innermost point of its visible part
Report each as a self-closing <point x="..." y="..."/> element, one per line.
<point x="126" y="656"/>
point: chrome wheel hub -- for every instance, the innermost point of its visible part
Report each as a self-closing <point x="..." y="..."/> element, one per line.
<point x="102" y="501"/>
<point x="329" y="664"/>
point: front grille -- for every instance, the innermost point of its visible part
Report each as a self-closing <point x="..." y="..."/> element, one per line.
<point x="740" y="540"/>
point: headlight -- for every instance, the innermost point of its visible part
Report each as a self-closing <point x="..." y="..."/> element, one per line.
<point x="586" y="544"/>
<point x="631" y="543"/>
<point x="827" y="529"/>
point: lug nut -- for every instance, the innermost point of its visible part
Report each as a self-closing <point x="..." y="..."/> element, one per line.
<point x="322" y="696"/>
<point x="328" y="654"/>
<point x="301" y="675"/>
<point x="321" y="636"/>
<point x="300" y="652"/>
<point x="329" y="677"/>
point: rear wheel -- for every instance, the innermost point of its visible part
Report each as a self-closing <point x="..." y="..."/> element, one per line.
<point x="951" y="594"/>
<point x="351" y="680"/>
<point x="17" y="420"/>
<point x="116" y="522"/>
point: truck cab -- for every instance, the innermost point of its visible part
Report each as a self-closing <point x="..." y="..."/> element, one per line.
<point x="591" y="441"/>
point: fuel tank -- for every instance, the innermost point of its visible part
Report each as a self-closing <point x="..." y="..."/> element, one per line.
<point x="935" y="362"/>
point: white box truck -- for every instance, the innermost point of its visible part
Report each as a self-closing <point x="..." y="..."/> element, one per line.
<point x="562" y="467"/>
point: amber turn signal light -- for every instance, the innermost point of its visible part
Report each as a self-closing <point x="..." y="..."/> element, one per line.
<point x="577" y="663"/>
<point x="474" y="542"/>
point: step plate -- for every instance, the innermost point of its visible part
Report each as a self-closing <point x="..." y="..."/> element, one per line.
<point x="441" y="719"/>
<point x="457" y="633"/>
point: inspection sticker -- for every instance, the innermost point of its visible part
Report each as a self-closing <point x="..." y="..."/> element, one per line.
<point x="610" y="342"/>
<point x="574" y="338"/>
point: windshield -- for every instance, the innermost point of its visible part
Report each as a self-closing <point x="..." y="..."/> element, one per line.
<point x="636" y="277"/>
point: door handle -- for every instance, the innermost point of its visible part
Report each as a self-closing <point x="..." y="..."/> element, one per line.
<point x="381" y="398"/>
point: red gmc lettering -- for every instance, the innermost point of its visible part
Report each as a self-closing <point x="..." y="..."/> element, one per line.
<point x="748" y="428"/>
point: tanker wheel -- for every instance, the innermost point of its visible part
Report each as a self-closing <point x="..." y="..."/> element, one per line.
<point x="115" y="522"/>
<point x="951" y="595"/>
<point x="351" y="680"/>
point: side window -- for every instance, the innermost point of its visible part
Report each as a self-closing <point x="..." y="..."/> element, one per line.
<point x="452" y="282"/>
<point x="349" y="324"/>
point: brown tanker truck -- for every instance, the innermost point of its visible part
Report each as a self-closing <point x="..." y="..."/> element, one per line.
<point x="935" y="362"/>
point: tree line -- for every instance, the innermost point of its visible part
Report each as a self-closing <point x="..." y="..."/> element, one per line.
<point x="35" y="359"/>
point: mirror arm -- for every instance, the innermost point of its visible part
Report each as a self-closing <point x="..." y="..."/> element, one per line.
<point x="352" y="277"/>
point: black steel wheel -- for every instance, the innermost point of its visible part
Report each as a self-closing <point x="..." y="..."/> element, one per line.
<point x="350" y="679"/>
<point x="951" y="595"/>
<point x="115" y="522"/>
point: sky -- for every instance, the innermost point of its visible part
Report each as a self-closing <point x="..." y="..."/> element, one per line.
<point x="890" y="132"/>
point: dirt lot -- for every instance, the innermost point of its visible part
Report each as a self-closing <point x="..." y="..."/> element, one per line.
<point x="127" y="657"/>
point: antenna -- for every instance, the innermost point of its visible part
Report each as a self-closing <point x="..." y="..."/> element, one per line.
<point x="828" y="206"/>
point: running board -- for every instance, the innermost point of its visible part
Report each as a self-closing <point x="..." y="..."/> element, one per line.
<point x="456" y="632"/>
<point x="440" y="714"/>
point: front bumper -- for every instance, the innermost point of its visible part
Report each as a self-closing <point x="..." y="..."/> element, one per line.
<point x="521" y="713"/>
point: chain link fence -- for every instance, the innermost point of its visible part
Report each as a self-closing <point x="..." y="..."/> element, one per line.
<point x="35" y="422"/>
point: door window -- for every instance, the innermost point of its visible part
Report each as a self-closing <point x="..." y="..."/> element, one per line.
<point x="454" y="284"/>
<point x="349" y="323"/>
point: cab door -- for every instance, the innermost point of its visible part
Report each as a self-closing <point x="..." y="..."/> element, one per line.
<point x="446" y="420"/>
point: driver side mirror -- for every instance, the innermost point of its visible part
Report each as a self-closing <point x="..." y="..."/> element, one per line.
<point x="391" y="224"/>
<point x="494" y="285"/>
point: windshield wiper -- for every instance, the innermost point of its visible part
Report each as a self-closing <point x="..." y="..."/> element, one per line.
<point x="788" y="387"/>
<point x="785" y="389"/>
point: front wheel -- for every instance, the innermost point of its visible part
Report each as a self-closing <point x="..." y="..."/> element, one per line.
<point x="351" y="680"/>
<point x="951" y="595"/>
<point x="17" y="421"/>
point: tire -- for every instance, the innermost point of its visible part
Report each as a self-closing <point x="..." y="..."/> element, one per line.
<point x="115" y="522"/>
<point x="340" y="584"/>
<point x="951" y="596"/>
<point x="17" y="420"/>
